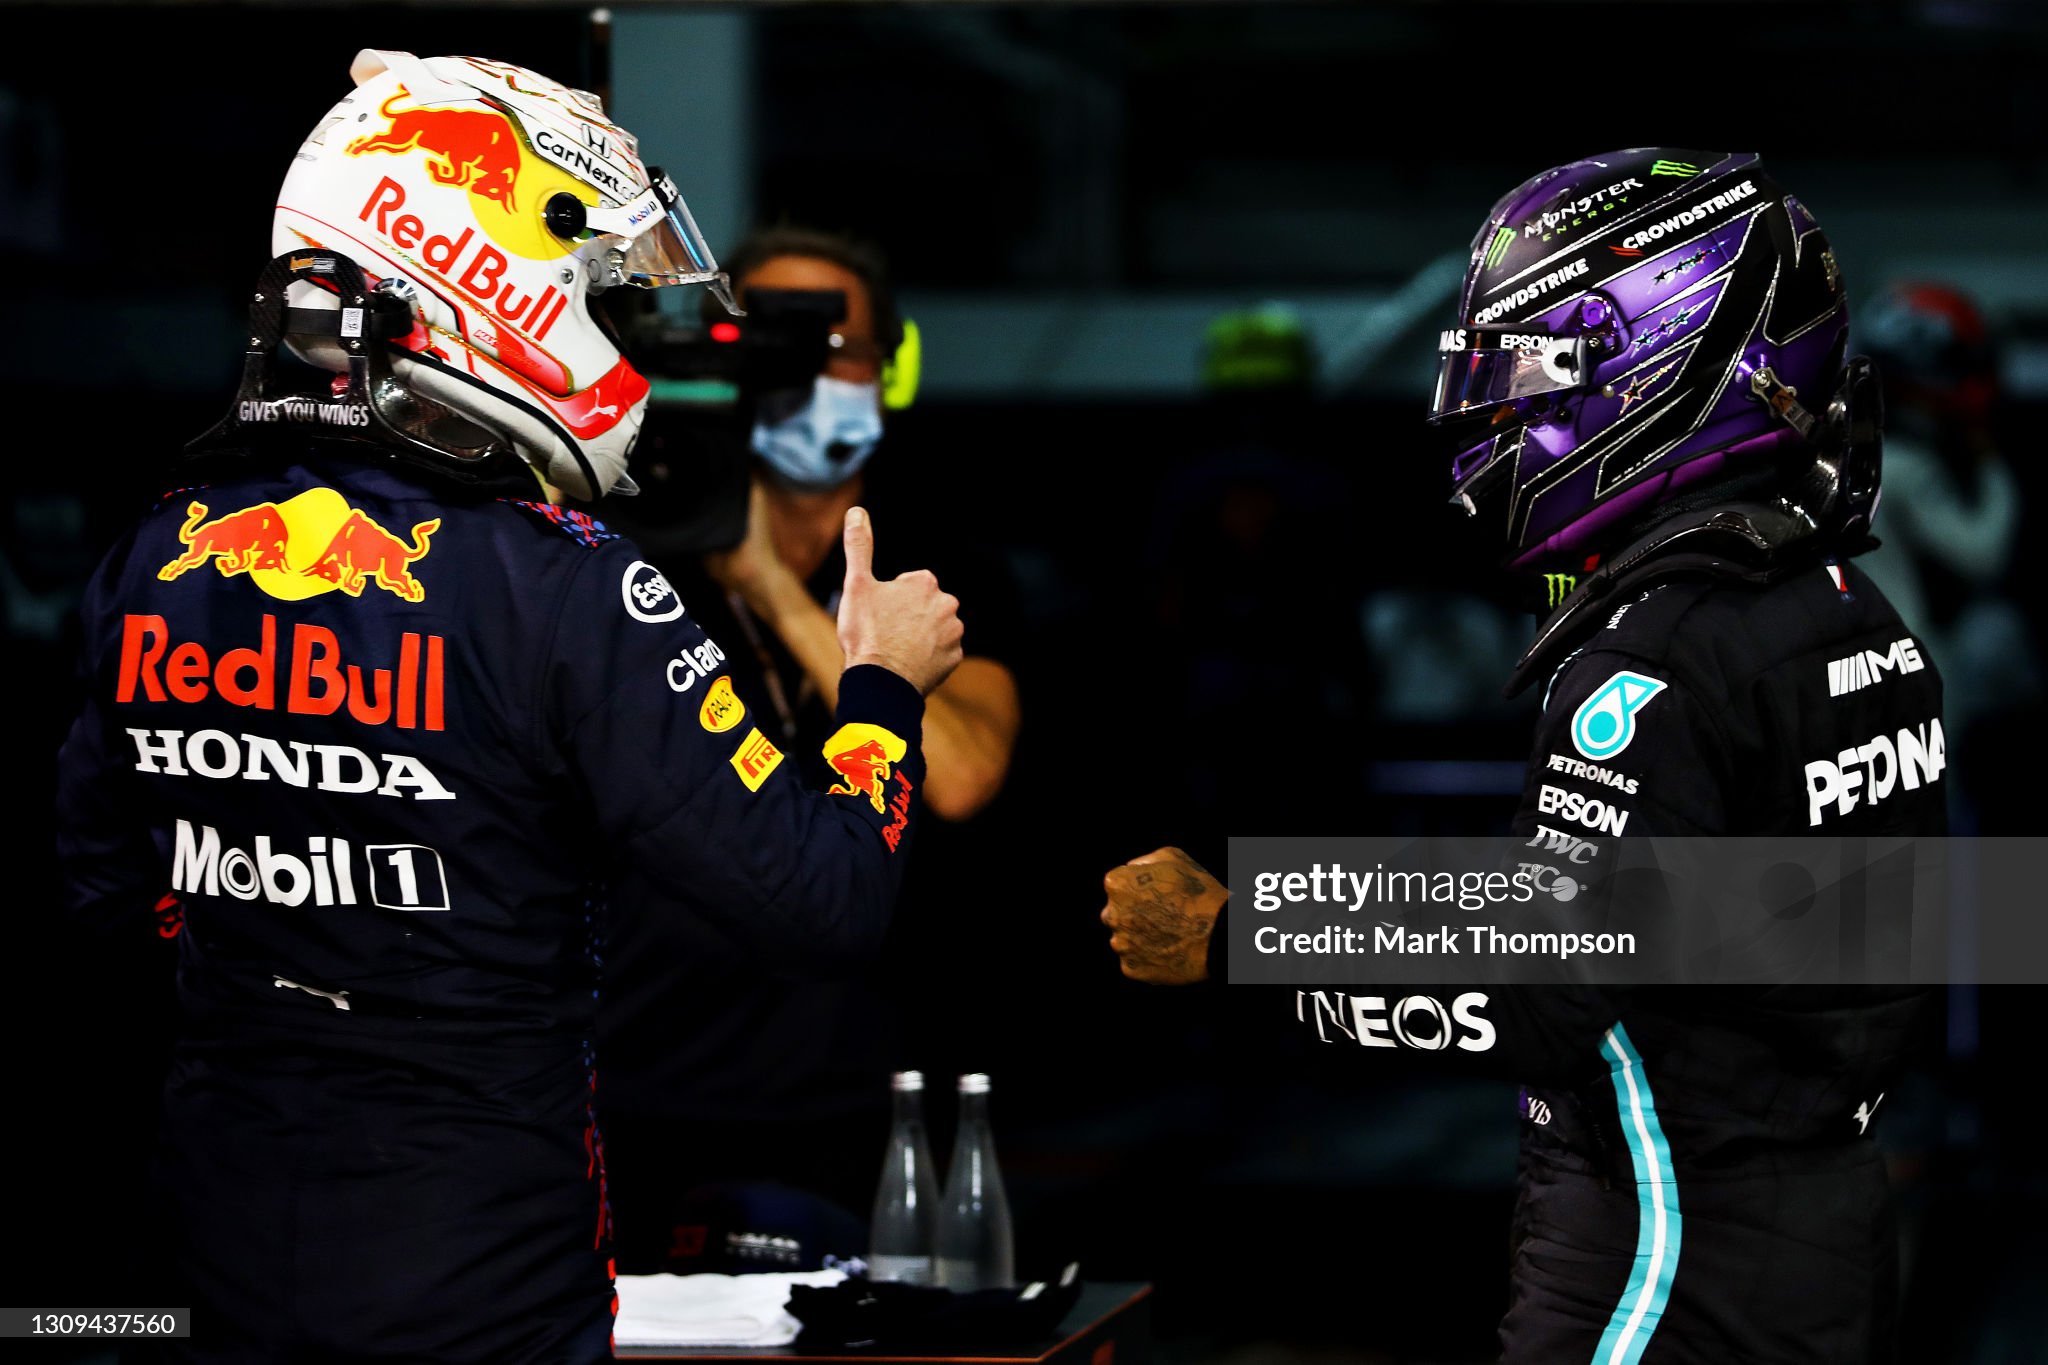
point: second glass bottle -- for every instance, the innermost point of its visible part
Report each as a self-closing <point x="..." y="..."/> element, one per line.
<point x="974" y="1245"/>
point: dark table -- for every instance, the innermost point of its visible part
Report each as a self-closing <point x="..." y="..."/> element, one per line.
<point x="1111" y="1325"/>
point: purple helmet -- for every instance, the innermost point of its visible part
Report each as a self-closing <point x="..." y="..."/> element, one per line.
<point x="1632" y="325"/>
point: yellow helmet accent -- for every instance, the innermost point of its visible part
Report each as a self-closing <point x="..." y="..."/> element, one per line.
<point x="900" y="374"/>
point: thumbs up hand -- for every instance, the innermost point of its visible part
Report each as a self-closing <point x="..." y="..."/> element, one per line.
<point x="906" y="624"/>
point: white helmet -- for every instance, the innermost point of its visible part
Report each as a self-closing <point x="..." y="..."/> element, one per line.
<point x="496" y="203"/>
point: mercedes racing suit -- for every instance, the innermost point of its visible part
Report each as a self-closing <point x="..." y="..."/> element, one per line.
<point x="385" y="746"/>
<point x="1697" y="1179"/>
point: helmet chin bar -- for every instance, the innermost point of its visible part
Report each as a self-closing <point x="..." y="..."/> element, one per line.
<point x="1481" y="480"/>
<point x="1838" y="493"/>
<point x="1826" y="510"/>
<point x="1819" y="472"/>
<point x="372" y="407"/>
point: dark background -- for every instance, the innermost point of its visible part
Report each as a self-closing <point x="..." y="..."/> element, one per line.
<point x="1227" y="606"/>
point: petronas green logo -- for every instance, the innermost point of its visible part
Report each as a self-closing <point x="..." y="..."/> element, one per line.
<point x="1502" y="240"/>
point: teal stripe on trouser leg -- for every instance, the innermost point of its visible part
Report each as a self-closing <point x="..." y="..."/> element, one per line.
<point x="1649" y="1282"/>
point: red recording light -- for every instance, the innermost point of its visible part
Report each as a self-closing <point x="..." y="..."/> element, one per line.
<point x="725" y="331"/>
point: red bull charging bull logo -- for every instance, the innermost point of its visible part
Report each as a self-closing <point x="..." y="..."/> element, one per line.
<point x="484" y="155"/>
<point x="862" y="755"/>
<point x="470" y="148"/>
<point x="302" y="547"/>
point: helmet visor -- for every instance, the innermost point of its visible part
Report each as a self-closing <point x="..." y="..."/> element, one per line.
<point x="652" y="241"/>
<point x="1482" y="367"/>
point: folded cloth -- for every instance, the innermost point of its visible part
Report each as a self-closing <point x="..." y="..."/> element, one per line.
<point x="711" y="1310"/>
<point x="862" y="1316"/>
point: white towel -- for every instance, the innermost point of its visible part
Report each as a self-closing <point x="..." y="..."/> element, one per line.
<point x="711" y="1310"/>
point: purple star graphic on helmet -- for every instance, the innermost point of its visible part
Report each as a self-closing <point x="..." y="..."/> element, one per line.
<point x="1650" y="336"/>
<point x="1636" y="389"/>
<point x="1682" y="266"/>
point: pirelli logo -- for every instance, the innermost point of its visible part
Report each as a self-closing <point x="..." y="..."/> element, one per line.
<point x="1868" y="667"/>
<point x="756" y="758"/>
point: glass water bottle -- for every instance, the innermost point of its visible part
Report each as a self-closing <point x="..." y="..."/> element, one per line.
<point x="907" y="1198"/>
<point x="975" y="1248"/>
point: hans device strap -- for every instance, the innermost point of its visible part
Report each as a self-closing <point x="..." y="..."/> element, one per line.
<point x="370" y="409"/>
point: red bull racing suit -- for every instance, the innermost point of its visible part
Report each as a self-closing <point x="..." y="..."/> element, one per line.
<point x="1697" y="1179"/>
<point x="385" y="747"/>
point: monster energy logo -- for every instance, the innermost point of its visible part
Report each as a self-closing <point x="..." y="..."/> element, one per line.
<point x="1559" y="586"/>
<point x="1682" y="169"/>
<point x="1502" y="240"/>
<point x="1570" y="213"/>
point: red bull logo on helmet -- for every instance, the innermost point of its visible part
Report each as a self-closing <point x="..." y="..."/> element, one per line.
<point x="473" y="149"/>
<point x="307" y="545"/>
<point x="862" y="755"/>
<point x="484" y="154"/>
<point x="476" y="267"/>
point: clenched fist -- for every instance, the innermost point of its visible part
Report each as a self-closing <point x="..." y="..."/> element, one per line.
<point x="1162" y="909"/>
<point x="906" y="624"/>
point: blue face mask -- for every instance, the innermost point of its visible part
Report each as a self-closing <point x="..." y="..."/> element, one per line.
<point x="823" y="440"/>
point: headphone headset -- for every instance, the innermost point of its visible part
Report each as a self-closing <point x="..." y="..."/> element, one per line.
<point x="900" y="372"/>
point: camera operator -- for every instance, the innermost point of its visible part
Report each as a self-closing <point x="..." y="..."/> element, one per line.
<point x="714" y="1068"/>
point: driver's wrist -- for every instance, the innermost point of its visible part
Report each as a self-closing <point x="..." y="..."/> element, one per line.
<point x="1216" y="952"/>
<point x="879" y="660"/>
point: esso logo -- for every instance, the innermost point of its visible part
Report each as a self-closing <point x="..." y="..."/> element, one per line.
<point x="647" y="595"/>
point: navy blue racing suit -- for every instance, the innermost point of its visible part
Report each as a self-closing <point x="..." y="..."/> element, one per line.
<point x="386" y="745"/>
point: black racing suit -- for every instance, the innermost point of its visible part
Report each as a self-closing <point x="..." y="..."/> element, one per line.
<point x="386" y="747"/>
<point x="1697" y="1180"/>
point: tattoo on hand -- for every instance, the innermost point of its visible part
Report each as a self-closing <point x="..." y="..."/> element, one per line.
<point x="1168" y="938"/>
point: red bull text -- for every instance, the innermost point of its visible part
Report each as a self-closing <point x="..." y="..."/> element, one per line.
<point x="892" y="833"/>
<point x="479" y="273"/>
<point x="316" y="680"/>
